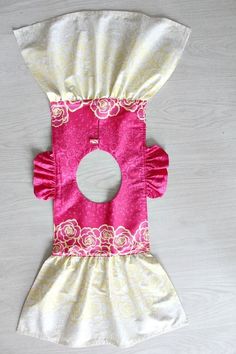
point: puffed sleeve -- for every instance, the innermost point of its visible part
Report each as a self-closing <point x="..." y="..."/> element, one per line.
<point x="44" y="177"/>
<point x="157" y="162"/>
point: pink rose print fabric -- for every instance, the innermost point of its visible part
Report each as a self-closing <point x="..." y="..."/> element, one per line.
<point x="71" y="239"/>
<point x="83" y="227"/>
<point x="104" y="108"/>
<point x="101" y="107"/>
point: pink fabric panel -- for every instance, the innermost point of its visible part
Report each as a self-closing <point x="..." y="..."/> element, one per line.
<point x="121" y="135"/>
<point x="83" y="227"/>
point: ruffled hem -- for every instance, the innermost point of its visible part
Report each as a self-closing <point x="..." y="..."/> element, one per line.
<point x="44" y="180"/>
<point x="157" y="161"/>
<point x="124" y="299"/>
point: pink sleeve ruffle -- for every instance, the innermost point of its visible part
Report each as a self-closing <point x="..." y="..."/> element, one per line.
<point x="44" y="179"/>
<point x="157" y="162"/>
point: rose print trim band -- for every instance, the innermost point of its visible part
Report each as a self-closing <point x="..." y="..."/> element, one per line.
<point x="101" y="107"/>
<point x="70" y="239"/>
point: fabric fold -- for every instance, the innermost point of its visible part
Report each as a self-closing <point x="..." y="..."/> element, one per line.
<point x="157" y="162"/>
<point x="44" y="179"/>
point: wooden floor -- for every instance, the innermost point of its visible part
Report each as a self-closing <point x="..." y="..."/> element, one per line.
<point x="192" y="227"/>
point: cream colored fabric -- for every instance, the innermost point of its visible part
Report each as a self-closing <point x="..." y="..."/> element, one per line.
<point x="91" y="54"/>
<point x="85" y="301"/>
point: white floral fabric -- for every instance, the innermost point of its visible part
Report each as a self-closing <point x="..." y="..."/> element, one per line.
<point x="135" y="54"/>
<point x="74" y="302"/>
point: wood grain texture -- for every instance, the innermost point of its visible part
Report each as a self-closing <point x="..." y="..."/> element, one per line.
<point x="192" y="227"/>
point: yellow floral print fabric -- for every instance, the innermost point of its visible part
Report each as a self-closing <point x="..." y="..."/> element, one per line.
<point x="82" y="301"/>
<point x="94" y="54"/>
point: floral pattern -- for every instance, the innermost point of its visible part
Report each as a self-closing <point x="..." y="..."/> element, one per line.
<point x="71" y="239"/>
<point x="141" y="235"/>
<point x="75" y="105"/>
<point x="68" y="231"/>
<point x="59" y="113"/>
<point x="105" y="107"/>
<point x="141" y="111"/>
<point x="130" y="105"/>
<point x="101" y="107"/>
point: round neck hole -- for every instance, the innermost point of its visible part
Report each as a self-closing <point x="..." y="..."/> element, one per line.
<point x="98" y="176"/>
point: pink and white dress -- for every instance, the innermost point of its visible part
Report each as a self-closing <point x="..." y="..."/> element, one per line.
<point x="101" y="284"/>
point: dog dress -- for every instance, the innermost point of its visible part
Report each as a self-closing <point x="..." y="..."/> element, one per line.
<point x="101" y="284"/>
